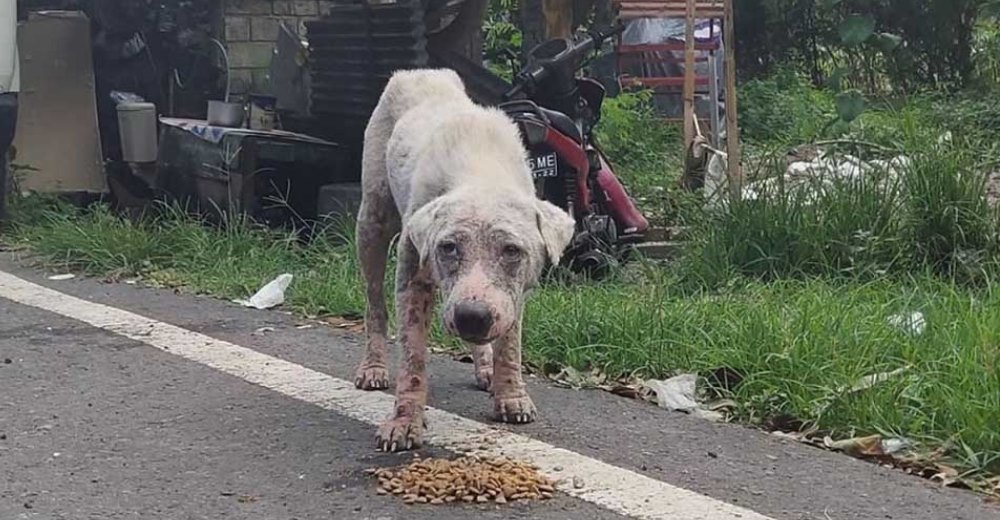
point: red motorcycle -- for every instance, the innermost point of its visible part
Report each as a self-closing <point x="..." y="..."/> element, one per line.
<point x="557" y="113"/>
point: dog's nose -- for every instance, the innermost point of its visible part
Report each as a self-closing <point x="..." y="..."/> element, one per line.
<point x="473" y="320"/>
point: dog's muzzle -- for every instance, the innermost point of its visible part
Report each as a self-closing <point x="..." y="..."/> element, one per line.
<point x="473" y="321"/>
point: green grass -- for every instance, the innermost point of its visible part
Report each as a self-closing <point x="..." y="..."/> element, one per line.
<point x="231" y="260"/>
<point x="933" y="217"/>
<point x="799" y="344"/>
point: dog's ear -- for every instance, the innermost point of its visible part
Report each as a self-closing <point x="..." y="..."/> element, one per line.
<point x="556" y="227"/>
<point x="419" y="228"/>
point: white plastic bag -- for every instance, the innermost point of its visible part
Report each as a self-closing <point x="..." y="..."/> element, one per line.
<point x="269" y="296"/>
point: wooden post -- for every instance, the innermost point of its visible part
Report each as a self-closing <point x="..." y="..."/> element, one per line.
<point x="558" y="18"/>
<point x="734" y="172"/>
<point x="689" y="74"/>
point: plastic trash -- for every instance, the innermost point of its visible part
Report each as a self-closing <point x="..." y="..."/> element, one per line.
<point x="680" y="394"/>
<point x="913" y="323"/>
<point x="120" y="97"/>
<point x="269" y="296"/>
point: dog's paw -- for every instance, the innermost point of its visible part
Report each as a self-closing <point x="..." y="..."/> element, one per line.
<point x="371" y="378"/>
<point x="515" y="410"/>
<point x="484" y="378"/>
<point x="400" y="434"/>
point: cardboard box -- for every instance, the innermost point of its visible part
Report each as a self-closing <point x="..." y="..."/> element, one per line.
<point x="57" y="131"/>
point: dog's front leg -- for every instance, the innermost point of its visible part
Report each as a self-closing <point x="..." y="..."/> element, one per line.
<point x="414" y="305"/>
<point x="482" y="358"/>
<point x="512" y="404"/>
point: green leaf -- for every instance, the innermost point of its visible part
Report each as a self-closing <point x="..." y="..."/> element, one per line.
<point x="855" y="29"/>
<point x="888" y="42"/>
<point x="828" y="4"/>
<point x="990" y="9"/>
<point x="836" y="79"/>
<point x="850" y="105"/>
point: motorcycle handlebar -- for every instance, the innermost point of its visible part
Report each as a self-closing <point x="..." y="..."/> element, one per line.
<point x="600" y="36"/>
<point x="527" y="78"/>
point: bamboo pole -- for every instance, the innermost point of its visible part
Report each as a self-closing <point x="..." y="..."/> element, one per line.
<point x="734" y="171"/>
<point x="689" y="75"/>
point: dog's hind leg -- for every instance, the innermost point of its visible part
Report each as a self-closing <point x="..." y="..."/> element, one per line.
<point x="378" y="223"/>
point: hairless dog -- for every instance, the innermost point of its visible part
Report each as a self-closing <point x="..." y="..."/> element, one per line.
<point x="451" y="177"/>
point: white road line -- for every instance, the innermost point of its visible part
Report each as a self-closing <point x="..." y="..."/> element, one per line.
<point x="610" y="487"/>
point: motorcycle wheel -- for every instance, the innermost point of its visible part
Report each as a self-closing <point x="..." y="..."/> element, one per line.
<point x="594" y="264"/>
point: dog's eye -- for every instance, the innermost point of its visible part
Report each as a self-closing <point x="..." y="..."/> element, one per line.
<point x="512" y="252"/>
<point x="448" y="248"/>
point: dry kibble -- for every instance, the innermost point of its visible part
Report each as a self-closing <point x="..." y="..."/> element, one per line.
<point x="468" y="479"/>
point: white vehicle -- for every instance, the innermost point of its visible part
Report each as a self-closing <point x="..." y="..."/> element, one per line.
<point x="9" y="74"/>
<point x="10" y="84"/>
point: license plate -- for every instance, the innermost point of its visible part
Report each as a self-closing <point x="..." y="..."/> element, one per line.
<point x="544" y="166"/>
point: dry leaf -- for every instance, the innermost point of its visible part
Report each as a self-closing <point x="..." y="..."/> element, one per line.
<point x="859" y="447"/>
<point x="570" y="377"/>
<point x="351" y="325"/>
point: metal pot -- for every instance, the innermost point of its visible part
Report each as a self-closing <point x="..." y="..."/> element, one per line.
<point x="222" y="113"/>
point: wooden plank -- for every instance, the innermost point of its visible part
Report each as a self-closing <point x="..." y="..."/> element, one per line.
<point x="629" y="9"/>
<point x="643" y="59"/>
<point x="667" y="47"/>
<point x="732" y="128"/>
<point x="631" y="14"/>
<point x="681" y="7"/>
<point x="664" y="82"/>
<point x="689" y="74"/>
<point x="672" y="4"/>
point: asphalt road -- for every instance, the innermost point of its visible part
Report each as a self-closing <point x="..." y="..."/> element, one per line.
<point x="98" y="424"/>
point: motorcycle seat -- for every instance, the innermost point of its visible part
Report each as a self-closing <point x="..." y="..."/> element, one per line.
<point x="563" y="123"/>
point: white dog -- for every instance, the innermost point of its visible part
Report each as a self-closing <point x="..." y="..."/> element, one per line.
<point x="453" y="177"/>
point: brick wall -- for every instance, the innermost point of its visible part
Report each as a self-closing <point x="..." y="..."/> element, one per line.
<point x="250" y="29"/>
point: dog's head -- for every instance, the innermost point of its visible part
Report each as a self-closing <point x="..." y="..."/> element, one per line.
<point x="485" y="256"/>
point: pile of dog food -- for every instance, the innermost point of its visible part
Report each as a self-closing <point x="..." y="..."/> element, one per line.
<point x="467" y="479"/>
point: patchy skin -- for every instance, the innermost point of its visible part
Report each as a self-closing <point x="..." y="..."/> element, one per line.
<point x="454" y="177"/>
<point x="511" y="402"/>
<point x="377" y="223"/>
<point x="414" y="298"/>
<point x="482" y="359"/>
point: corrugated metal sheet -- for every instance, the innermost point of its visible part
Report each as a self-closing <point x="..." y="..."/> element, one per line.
<point x="355" y="50"/>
